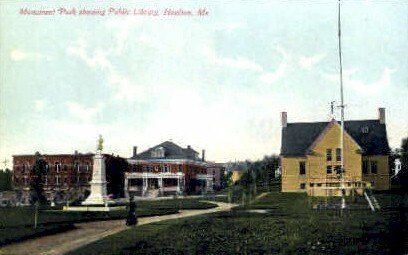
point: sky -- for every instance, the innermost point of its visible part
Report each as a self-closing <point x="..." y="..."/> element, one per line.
<point x="216" y="82"/>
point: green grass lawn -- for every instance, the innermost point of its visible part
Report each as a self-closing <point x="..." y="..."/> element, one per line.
<point x="289" y="226"/>
<point x="16" y="223"/>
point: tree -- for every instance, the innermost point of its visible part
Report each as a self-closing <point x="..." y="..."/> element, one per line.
<point x="404" y="163"/>
<point x="403" y="175"/>
<point x="115" y="175"/>
<point x="394" y="154"/>
<point x="36" y="183"/>
<point x="5" y="180"/>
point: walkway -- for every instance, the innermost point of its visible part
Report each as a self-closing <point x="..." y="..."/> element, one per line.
<point x="89" y="232"/>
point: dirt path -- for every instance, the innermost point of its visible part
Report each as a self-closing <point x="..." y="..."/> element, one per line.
<point x="92" y="231"/>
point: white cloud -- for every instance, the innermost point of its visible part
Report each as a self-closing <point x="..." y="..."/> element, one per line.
<point x="373" y="88"/>
<point x="18" y="55"/>
<point x="272" y="77"/>
<point x="361" y="87"/>
<point x="309" y="62"/>
<point x="98" y="60"/>
<point x="242" y="63"/>
<point x="239" y="63"/>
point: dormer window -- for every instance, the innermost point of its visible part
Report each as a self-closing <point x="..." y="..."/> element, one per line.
<point x="364" y="130"/>
<point x="158" y="152"/>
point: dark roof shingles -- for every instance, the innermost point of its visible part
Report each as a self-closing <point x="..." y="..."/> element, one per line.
<point x="172" y="151"/>
<point x="297" y="137"/>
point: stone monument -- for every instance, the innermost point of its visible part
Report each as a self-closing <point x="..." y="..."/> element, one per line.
<point x="98" y="194"/>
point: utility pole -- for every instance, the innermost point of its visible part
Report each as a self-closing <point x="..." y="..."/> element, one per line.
<point x="343" y="200"/>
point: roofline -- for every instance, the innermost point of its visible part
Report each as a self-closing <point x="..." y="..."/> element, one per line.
<point x="331" y="121"/>
<point x="324" y="132"/>
<point x="79" y="154"/>
<point x="136" y="161"/>
<point x="59" y="155"/>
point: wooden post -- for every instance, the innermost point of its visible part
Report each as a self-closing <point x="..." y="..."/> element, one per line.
<point x="36" y="215"/>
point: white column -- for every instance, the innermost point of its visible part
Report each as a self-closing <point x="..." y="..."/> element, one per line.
<point x="160" y="182"/>
<point x="145" y="184"/>
<point x="209" y="184"/>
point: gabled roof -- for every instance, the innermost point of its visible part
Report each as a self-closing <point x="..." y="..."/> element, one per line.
<point x="298" y="137"/>
<point x="171" y="151"/>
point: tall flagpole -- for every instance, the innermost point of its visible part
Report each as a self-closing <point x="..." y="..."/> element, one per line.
<point x="343" y="201"/>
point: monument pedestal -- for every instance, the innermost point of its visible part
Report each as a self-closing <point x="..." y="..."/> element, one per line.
<point x="98" y="194"/>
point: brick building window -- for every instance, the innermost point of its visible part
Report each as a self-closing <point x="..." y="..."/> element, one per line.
<point x="166" y="169"/>
<point x="374" y="167"/>
<point x="26" y="168"/>
<point x="364" y="167"/>
<point x="87" y="167"/>
<point x="76" y="167"/>
<point x="302" y="168"/>
<point x="338" y="154"/>
<point x="328" y="154"/>
<point x="329" y="169"/>
<point x="57" y="167"/>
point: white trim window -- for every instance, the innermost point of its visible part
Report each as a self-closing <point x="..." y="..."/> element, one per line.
<point x="57" y="167"/>
<point x="166" y="169"/>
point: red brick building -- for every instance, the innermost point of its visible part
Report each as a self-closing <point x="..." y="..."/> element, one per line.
<point x="167" y="169"/>
<point x="65" y="173"/>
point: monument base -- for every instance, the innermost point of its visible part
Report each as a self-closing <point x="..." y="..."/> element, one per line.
<point x="95" y="201"/>
<point x="93" y="208"/>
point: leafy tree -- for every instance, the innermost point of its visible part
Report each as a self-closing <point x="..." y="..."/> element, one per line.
<point x="36" y="183"/>
<point x="6" y="180"/>
<point x="403" y="175"/>
<point x="394" y="154"/>
<point x="115" y="169"/>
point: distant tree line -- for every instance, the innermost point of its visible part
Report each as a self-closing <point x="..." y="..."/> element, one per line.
<point x="261" y="172"/>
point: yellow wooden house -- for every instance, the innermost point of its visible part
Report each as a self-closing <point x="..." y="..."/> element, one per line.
<point x="311" y="156"/>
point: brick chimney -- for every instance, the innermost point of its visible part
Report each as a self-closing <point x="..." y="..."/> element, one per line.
<point x="284" y="119"/>
<point x="381" y="115"/>
<point x="134" y="151"/>
<point x="203" y="155"/>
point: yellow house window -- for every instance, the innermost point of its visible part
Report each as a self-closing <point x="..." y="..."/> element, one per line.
<point x="302" y="186"/>
<point x="329" y="169"/>
<point x="328" y="154"/>
<point x="302" y="168"/>
<point x="374" y="167"/>
<point x="337" y="169"/>
<point x="338" y="154"/>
